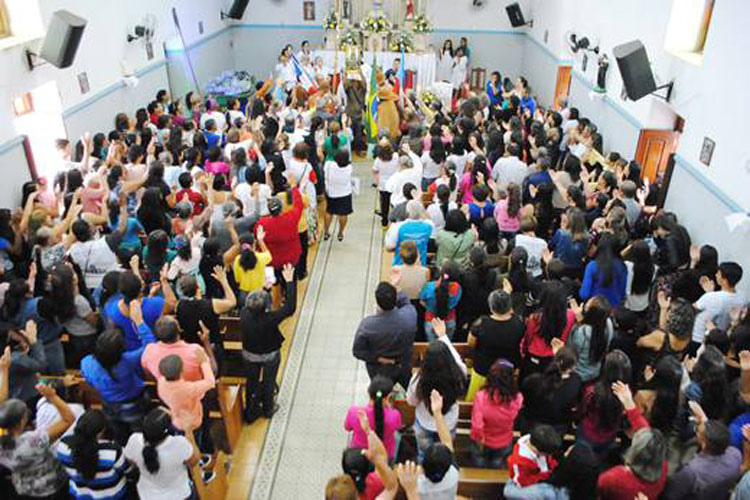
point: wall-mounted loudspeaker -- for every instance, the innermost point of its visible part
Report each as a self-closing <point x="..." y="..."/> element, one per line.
<point x="637" y="77"/>
<point x="61" y="42"/>
<point x="237" y="10"/>
<point x="515" y="16"/>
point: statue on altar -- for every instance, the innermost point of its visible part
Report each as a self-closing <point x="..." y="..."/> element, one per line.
<point x="409" y="10"/>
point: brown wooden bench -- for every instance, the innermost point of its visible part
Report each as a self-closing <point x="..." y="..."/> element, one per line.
<point x="224" y="404"/>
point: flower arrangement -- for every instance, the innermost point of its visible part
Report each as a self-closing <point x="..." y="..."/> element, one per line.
<point x="375" y="22"/>
<point x="402" y="40"/>
<point x="332" y="21"/>
<point x="421" y="24"/>
<point x="230" y="83"/>
<point x="349" y="39"/>
<point x="428" y="98"/>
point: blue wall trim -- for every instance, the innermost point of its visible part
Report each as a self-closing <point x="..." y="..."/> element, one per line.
<point x="699" y="175"/>
<point x="8" y="145"/>
<point x="70" y="111"/>
<point x="276" y="26"/>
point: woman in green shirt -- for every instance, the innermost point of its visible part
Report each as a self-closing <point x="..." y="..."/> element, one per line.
<point x="456" y="240"/>
<point x="334" y="142"/>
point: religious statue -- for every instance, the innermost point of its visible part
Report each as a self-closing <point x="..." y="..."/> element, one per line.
<point x="409" y="10"/>
<point x="601" y="75"/>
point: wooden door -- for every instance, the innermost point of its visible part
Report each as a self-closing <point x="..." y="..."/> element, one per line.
<point x="562" y="88"/>
<point x="654" y="148"/>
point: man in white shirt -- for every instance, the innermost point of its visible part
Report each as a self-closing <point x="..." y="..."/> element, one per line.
<point x="533" y="245"/>
<point x="716" y="306"/>
<point x="285" y="72"/>
<point x="214" y="114"/>
<point x="408" y="172"/>
<point x="510" y="169"/>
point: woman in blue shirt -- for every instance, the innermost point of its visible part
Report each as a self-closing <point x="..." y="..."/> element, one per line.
<point x="495" y="89"/>
<point x="606" y="274"/>
<point x="570" y="242"/>
<point x="440" y="299"/>
<point x="117" y="376"/>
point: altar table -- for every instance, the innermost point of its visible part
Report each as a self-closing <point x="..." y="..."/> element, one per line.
<point x="424" y="64"/>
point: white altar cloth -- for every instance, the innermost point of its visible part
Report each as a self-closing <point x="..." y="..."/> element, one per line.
<point x="423" y="64"/>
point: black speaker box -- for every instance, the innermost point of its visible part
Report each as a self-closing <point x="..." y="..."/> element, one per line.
<point x="62" y="39"/>
<point x="515" y="15"/>
<point x="635" y="69"/>
<point x="238" y="9"/>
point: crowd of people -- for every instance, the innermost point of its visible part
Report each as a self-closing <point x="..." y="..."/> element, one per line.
<point x="603" y="354"/>
<point x="116" y="273"/>
<point x="609" y="357"/>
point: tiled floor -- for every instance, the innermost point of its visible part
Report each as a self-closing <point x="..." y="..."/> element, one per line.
<point x="306" y="437"/>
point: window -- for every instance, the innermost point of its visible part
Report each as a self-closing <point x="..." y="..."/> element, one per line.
<point x="688" y="29"/>
<point x="4" y="21"/>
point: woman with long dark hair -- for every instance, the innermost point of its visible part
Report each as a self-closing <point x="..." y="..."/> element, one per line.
<point x="641" y="271"/>
<point x="553" y="320"/>
<point x="442" y="370"/>
<point x="438" y="211"/>
<point x="591" y="336"/>
<point x="95" y="466"/>
<point x="551" y="396"/>
<point x="445" y="62"/>
<point x="659" y="397"/>
<point x="73" y="311"/>
<point x="151" y="213"/>
<point x="440" y="299"/>
<point x="157" y="254"/>
<point x="508" y="212"/>
<point x="708" y="384"/>
<point x="117" y="376"/>
<point x="161" y="458"/>
<point x="570" y="242"/>
<point x="455" y="240"/>
<point x="493" y="414"/>
<point x="605" y="275"/>
<point x="432" y="160"/>
<point x="601" y="410"/>
<point x="381" y="416"/>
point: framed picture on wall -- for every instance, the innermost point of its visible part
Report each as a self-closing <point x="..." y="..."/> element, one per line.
<point x="707" y="151"/>
<point x="308" y="11"/>
<point x="347" y="10"/>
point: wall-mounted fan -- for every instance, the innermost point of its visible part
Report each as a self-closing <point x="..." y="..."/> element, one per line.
<point x="146" y="30"/>
<point x="577" y="42"/>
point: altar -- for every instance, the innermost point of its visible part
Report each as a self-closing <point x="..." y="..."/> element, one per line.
<point x="423" y="64"/>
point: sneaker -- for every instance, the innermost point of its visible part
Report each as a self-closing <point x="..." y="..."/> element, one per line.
<point x="208" y="476"/>
<point x="206" y="460"/>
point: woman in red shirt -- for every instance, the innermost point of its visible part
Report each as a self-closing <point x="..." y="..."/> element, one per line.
<point x="645" y="468"/>
<point x="282" y="230"/>
<point x="553" y="320"/>
<point x="493" y="414"/>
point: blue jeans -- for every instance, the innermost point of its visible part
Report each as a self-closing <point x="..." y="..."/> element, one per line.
<point x="539" y="491"/>
<point x="489" y="457"/>
<point x="425" y="439"/>
<point x="429" y="332"/>
<point x="55" y="356"/>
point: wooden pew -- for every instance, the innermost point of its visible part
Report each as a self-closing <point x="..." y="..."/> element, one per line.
<point x="224" y="405"/>
<point x="420" y="348"/>
<point x="482" y="483"/>
<point x="217" y="488"/>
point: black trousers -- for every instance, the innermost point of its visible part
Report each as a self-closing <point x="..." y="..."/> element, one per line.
<point x="261" y="386"/>
<point x="301" y="269"/>
<point x="385" y="207"/>
<point x="397" y="373"/>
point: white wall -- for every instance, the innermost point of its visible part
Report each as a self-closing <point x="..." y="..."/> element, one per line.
<point x="710" y="97"/>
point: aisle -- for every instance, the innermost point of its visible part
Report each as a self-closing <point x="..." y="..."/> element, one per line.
<point x="306" y="437"/>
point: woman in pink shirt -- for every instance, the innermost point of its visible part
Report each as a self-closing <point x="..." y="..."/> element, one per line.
<point x="477" y="174"/>
<point x="182" y="397"/>
<point x="381" y="417"/>
<point x="508" y="212"/>
<point x="493" y="414"/>
<point x="215" y="163"/>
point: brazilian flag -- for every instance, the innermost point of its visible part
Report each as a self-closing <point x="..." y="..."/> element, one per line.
<point x="371" y="124"/>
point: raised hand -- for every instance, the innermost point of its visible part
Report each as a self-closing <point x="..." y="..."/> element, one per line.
<point x="135" y="312"/>
<point x="663" y="299"/>
<point x="436" y="402"/>
<point x="288" y="273"/>
<point x="557" y="344"/>
<point x="698" y="413"/>
<point x="622" y="392"/>
<point x="438" y="325"/>
<point x="5" y="359"/>
<point x="408" y="475"/>
<point x="204" y="334"/>
<point x="30" y="332"/>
